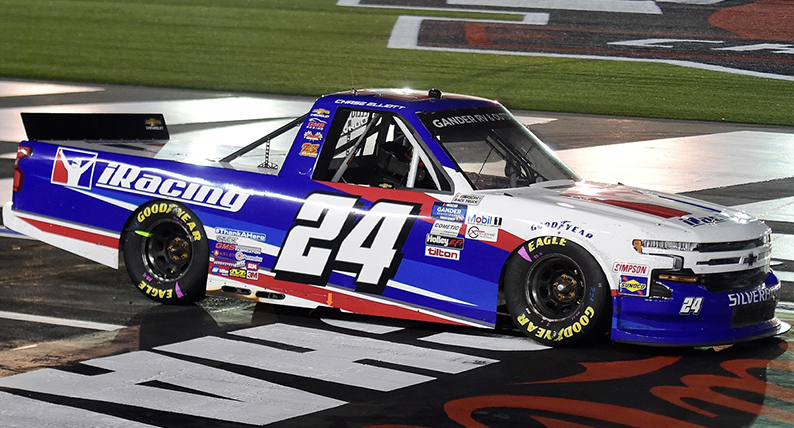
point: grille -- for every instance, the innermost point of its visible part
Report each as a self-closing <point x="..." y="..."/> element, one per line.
<point x="752" y="314"/>
<point x="731" y="246"/>
<point x="715" y="282"/>
<point x="726" y="281"/>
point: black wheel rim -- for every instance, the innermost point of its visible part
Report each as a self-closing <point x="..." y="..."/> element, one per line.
<point x="555" y="287"/>
<point x="168" y="251"/>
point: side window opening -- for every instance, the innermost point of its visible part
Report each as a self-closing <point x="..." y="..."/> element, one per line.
<point x="376" y="149"/>
<point x="266" y="155"/>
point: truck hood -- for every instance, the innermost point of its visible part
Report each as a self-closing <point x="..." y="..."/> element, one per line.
<point x="694" y="219"/>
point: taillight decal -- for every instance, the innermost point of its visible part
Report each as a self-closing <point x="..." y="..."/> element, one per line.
<point x="22" y="152"/>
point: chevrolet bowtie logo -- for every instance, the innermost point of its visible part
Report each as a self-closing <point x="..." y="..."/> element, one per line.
<point x="152" y="122"/>
<point x="751" y="259"/>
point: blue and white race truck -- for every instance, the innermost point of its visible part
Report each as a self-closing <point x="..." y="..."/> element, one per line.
<point x="398" y="203"/>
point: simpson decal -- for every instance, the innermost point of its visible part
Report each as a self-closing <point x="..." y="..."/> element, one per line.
<point x="631" y="268"/>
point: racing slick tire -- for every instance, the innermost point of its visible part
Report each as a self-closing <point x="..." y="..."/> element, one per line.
<point x="166" y="252"/>
<point x="556" y="293"/>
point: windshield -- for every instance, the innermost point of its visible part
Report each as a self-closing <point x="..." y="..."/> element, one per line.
<point x="493" y="149"/>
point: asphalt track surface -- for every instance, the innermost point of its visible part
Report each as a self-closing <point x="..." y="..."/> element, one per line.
<point x="92" y="351"/>
<point x="746" y="37"/>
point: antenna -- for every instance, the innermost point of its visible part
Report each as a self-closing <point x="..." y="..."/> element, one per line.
<point x="352" y="83"/>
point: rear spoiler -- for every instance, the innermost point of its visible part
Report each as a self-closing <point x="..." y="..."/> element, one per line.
<point x="94" y="126"/>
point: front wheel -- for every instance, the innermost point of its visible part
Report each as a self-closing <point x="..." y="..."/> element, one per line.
<point x="166" y="253"/>
<point x="556" y="292"/>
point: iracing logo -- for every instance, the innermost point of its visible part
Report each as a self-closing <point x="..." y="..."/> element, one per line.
<point x="133" y="179"/>
<point x="73" y="168"/>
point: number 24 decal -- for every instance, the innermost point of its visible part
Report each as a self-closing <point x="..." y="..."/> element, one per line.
<point x="691" y="305"/>
<point x="332" y="232"/>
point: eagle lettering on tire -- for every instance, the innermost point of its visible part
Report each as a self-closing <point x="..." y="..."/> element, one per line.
<point x="556" y="292"/>
<point x="166" y="252"/>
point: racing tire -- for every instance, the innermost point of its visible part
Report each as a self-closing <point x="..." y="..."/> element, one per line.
<point x="556" y="293"/>
<point x="166" y="253"/>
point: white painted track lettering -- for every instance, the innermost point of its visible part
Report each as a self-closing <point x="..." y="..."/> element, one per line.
<point x="25" y="412"/>
<point x="249" y="400"/>
<point x="333" y="357"/>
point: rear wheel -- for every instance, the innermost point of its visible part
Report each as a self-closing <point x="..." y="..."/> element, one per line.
<point x="166" y="253"/>
<point x="556" y="292"/>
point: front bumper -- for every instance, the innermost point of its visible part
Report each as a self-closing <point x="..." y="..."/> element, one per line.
<point x="694" y="316"/>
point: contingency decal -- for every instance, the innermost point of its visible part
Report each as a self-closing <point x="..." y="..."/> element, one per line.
<point x="633" y="285"/>
<point x="483" y="227"/>
<point x="333" y="232"/>
<point x="446" y="228"/>
<point x="443" y="247"/>
<point x="309" y="150"/>
<point x="467" y="199"/>
<point x="634" y="279"/>
<point x="449" y="212"/>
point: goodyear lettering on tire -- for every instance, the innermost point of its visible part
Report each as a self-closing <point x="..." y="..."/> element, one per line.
<point x="176" y="209"/>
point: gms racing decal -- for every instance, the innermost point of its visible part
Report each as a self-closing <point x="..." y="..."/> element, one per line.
<point x="144" y="181"/>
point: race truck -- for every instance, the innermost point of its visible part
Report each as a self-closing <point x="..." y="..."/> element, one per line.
<point x="397" y="203"/>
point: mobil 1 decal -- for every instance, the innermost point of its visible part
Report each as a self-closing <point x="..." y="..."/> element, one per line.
<point x="334" y="232"/>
